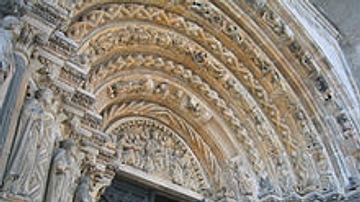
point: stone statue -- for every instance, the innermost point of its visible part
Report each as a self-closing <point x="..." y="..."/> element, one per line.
<point x="63" y="173"/>
<point x="168" y="150"/>
<point x="284" y="175"/>
<point x="129" y="149"/>
<point x="82" y="193"/>
<point x="304" y="172"/>
<point x="176" y="167"/>
<point x="244" y="181"/>
<point x="49" y="139"/>
<point x="8" y="30"/>
<point x="6" y="46"/>
<point x="151" y="149"/>
<point x="34" y="130"/>
<point x="265" y="187"/>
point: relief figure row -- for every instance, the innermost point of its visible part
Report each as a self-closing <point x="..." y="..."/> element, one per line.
<point x="157" y="153"/>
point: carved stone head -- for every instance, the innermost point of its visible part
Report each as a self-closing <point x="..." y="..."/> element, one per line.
<point x="4" y="68"/>
<point x="46" y="96"/>
<point x="12" y="23"/>
<point x="70" y="146"/>
<point x="154" y="134"/>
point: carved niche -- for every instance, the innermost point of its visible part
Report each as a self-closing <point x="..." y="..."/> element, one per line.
<point x="155" y="149"/>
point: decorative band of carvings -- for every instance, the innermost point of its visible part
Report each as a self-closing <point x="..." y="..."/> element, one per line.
<point x="108" y="36"/>
<point x="220" y="62"/>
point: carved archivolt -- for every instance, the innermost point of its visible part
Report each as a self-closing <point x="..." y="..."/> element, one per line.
<point x="221" y="64"/>
<point x="209" y="158"/>
<point x="209" y="95"/>
<point x="163" y="91"/>
<point x="190" y="107"/>
<point x="197" y="57"/>
<point x="98" y="46"/>
<point x="103" y="16"/>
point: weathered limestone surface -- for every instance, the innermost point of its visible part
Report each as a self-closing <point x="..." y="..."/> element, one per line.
<point x="345" y="17"/>
<point x="201" y="100"/>
<point x="63" y="173"/>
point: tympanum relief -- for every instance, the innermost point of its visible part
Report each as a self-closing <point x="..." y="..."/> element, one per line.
<point x="155" y="149"/>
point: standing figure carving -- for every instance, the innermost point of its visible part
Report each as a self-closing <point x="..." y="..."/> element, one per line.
<point x="265" y="187"/>
<point x="168" y="150"/>
<point x="7" y="31"/>
<point x="82" y="193"/>
<point x="151" y="149"/>
<point x="63" y="173"/>
<point x="48" y="140"/>
<point x="28" y="164"/>
<point x="305" y="173"/>
<point x="129" y="149"/>
<point x="177" y="167"/>
<point x="6" y="47"/>
<point x="243" y="180"/>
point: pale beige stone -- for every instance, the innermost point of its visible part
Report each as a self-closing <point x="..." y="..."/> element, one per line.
<point x="214" y="100"/>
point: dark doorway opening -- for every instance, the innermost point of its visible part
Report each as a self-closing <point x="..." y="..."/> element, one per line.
<point x="124" y="188"/>
<point x="159" y="198"/>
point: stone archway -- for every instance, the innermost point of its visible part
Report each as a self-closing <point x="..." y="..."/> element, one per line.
<point x="228" y="100"/>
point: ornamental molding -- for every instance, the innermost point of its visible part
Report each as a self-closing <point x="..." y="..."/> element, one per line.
<point x="232" y="96"/>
